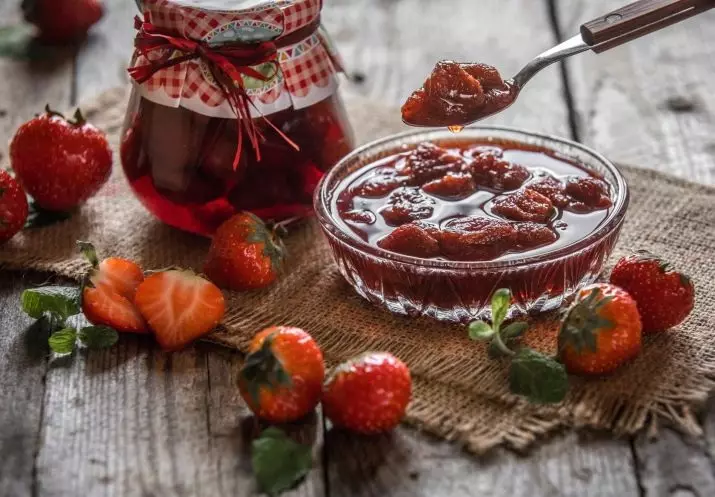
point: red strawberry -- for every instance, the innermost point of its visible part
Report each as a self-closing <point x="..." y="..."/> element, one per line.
<point x="282" y="378"/>
<point x="601" y="331"/>
<point x="369" y="393"/>
<point x="179" y="306"/>
<point x="244" y="254"/>
<point x="107" y="298"/>
<point x="62" y="21"/>
<point x="60" y="163"/>
<point x="13" y="206"/>
<point x="664" y="296"/>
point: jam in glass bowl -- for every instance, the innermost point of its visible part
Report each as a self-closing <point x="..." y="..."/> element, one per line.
<point x="432" y="223"/>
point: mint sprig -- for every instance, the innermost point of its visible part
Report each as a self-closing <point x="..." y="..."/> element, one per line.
<point x="538" y="377"/>
<point x="60" y="306"/>
<point x="279" y="462"/>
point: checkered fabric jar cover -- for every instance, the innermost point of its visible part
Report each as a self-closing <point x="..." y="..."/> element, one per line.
<point x="308" y="67"/>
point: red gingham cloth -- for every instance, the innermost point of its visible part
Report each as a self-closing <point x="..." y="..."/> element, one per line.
<point x="307" y="67"/>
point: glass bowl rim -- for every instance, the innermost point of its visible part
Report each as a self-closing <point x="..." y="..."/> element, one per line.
<point x="323" y="212"/>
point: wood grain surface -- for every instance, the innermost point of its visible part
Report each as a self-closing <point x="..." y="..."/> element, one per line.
<point x="134" y="421"/>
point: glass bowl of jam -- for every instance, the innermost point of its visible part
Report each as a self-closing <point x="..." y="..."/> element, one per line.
<point x="431" y="223"/>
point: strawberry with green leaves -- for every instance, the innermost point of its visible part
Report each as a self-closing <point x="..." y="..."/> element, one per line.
<point x="601" y="331"/>
<point x="368" y="394"/>
<point x="283" y="375"/>
<point x="59" y="162"/>
<point x="538" y="377"/>
<point x="244" y="254"/>
<point x="665" y="297"/>
<point x="13" y="206"/>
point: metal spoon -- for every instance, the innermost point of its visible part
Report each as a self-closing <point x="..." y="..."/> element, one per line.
<point x="601" y="34"/>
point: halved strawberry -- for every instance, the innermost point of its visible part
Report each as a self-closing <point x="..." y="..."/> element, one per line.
<point x="107" y="297"/>
<point x="114" y="273"/>
<point x="179" y="306"/>
<point x="104" y="307"/>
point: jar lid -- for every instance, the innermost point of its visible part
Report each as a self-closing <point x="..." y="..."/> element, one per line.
<point x="308" y="64"/>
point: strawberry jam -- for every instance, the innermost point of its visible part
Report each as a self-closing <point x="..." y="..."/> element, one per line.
<point x="473" y="202"/>
<point x="180" y="163"/>
<point x="456" y="94"/>
<point x="431" y="223"/>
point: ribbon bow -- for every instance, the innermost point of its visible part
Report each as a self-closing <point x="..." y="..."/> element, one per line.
<point x="228" y="63"/>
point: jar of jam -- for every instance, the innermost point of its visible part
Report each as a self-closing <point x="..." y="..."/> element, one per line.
<point x="234" y="108"/>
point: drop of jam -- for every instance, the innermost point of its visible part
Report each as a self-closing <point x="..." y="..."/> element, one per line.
<point x="456" y="128"/>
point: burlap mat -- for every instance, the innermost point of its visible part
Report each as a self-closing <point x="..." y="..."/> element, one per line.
<point x="459" y="393"/>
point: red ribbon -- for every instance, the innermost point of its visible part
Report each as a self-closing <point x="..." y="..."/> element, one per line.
<point x="228" y="64"/>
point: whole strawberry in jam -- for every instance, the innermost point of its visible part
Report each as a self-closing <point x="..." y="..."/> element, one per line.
<point x="245" y="254"/>
<point x="415" y="239"/>
<point x="283" y="375"/>
<point x="368" y="394"/>
<point x="13" y="206"/>
<point x="62" y="21"/>
<point x="665" y="297"/>
<point x="60" y="163"/>
<point x="601" y="331"/>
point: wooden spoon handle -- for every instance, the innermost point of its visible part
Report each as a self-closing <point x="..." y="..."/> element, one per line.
<point x="638" y="19"/>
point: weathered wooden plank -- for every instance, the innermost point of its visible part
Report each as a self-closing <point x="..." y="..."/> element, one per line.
<point x="23" y="356"/>
<point x="394" y="45"/>
<point x="25" y="89"/>
<point x="648" y="102"/>
<point x="133" y="421"/>
<point x="411" y="464"/>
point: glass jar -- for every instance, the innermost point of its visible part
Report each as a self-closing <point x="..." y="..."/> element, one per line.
<point x="181" y="133"/>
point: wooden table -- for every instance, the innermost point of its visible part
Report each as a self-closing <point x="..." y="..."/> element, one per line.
<point x="133" y="421"/>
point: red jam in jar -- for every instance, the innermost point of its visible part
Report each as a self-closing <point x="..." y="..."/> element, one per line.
<point x="473" y="202"/>
<point x="181" y="132"/>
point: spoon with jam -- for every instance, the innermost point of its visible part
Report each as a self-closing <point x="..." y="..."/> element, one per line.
<point x="456" y="94"/>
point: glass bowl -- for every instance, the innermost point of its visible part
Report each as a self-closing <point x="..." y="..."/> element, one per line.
<point x="460" y="291"/>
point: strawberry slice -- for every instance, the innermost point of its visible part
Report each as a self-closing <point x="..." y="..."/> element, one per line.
<point x="109" y="291"/>
<point x="179" y="306"/>
<point x="108" y="308"/>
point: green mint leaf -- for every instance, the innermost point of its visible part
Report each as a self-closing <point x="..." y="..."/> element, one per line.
<point x="537" y="377"/>
<point x="514" y="330"/>
<point x="98" y="337"/>
<point x="58" y="301"/>
<point x="500" y="305"/>
<point x="37" y="217"/>
<point x="279" y="463"/>
<point x="63" y="341"/>
<point x="479" y="330"/>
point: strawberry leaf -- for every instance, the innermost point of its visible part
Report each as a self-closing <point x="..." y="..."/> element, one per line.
<point x="539" y="378"/>
<point x="279" y="462"/>
<point x="59" y="302"/>
<point x="37" y="217"/>
<point x="98" y="337"/>
<point x="63" y="341"/>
